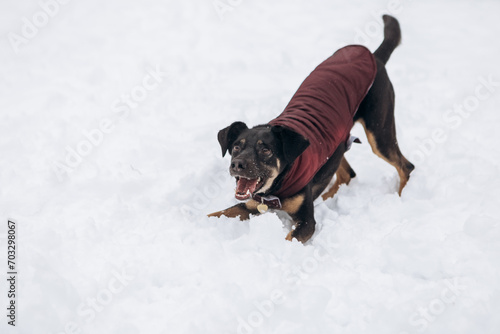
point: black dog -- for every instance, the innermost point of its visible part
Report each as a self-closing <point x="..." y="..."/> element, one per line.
<point x="287" y="163"/>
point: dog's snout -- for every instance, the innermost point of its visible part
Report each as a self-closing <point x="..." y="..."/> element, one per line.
<point x="238" y="165"/>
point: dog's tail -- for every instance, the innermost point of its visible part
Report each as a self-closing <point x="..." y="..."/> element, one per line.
<point x="392" y="38"/>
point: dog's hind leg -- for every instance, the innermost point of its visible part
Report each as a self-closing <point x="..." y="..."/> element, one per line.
<point x="376" y="112"/>
<point x="384" y="144"/>
<point x="343" y="175"/>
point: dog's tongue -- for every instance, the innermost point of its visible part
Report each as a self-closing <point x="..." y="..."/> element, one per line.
<point x="245" y="188"/>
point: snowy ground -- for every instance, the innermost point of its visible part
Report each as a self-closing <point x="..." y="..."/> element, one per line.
<point x="109" y="163"/>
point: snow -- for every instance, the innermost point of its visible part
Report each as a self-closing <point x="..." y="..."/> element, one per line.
<point x="114" y="238"/>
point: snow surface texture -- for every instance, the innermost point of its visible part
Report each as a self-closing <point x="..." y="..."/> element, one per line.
<point x="114" y="238"/>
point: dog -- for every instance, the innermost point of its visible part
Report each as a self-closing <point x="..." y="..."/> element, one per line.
<point x="289" y="162"/>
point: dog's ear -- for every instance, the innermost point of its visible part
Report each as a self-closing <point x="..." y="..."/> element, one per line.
<point x="228" y="135"/>
<point x="293" y="144"/>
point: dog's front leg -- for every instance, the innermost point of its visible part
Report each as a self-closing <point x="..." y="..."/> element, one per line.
<point x="242" y="210"/>
<point x="304" y="230"/>
<point x="301" y="209"/>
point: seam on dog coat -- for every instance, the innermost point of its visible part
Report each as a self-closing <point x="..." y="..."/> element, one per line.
<point x="322" y="111"/>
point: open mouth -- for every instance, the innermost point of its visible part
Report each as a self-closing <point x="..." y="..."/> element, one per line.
<point x="246" y="187"/>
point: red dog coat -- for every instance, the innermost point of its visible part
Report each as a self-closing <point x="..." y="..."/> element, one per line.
<point x="322" y="111"/>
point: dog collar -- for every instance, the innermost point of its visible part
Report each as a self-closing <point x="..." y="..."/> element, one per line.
<point x="267" y="202"/>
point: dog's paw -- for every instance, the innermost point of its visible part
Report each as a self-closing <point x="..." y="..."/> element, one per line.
<point x="217" y="214"/>
<point x="231" y="213"/>
<point x="294" y="235"/>
<point x="301" y="234"/>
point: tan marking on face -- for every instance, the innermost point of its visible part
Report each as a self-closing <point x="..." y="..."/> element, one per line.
<point x="292" y="205"/>
<point x="270" y="180"/>
<point x="259" y="142"/>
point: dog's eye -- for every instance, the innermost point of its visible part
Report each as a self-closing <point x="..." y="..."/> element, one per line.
<point x="266" y="151"/>
<point x="236" y="148"/>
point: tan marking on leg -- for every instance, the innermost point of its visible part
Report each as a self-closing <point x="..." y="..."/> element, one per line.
<point x="293" y="204"/>
<point x="373" y="143"/>
<point x="342" y="177"/>
<point x="403" y="176"/>
<point x="232" y="212"/>
<point x="216" y="214"/>
<point x="403" y="180"/>
<point x="238" y="211"/>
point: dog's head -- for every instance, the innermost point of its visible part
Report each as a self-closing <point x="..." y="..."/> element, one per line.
<point x="259" y="155"/>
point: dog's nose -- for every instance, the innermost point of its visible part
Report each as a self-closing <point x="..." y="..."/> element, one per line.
<point x="238" y="165"/>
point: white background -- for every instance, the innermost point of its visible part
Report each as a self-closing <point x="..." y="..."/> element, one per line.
<point x="120" y="241"/>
